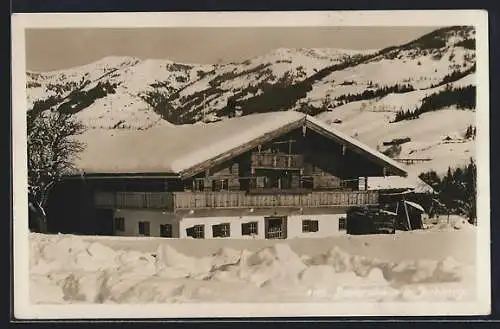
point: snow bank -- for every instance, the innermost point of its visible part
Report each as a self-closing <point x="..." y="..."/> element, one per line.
<point x="450" y="223"/>
<point x="73" y="269"/>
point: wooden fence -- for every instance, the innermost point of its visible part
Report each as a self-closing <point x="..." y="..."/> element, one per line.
<point x="413" y="161"/>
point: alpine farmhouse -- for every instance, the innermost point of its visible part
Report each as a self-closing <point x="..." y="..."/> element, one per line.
<point x="270" y="176"/>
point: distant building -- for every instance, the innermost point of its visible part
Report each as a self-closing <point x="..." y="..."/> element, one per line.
<point x="273" y="175"/>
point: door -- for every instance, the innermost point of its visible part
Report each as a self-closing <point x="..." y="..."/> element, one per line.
<point x="104" y="222"/>
<point x="285" y="181"/>
<point x="276" y="227"/>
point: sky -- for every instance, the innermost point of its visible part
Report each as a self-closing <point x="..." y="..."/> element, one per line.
<point x="54" y="49"/>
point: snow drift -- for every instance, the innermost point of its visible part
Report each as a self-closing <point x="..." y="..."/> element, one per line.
<point x="75" y="269"/>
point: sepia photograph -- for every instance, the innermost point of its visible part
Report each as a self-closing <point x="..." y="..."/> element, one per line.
<point x="215" y="164"/>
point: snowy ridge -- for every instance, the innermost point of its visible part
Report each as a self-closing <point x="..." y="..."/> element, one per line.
<point x="136" y="78"/>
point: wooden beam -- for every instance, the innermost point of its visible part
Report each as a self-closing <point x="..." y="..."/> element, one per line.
<point x="284" y="142"/>
<point x="407" y="216"/>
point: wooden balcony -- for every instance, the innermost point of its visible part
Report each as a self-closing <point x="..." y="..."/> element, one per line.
<point x="231" y="199"/>
<point x="134" y="200"/>
<point x="277" y="161"/>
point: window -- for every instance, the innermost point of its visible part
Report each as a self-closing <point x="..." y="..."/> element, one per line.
<point x="250" y="228"/>
<point x="144" y="228"/>
<point x="120" y="224"/>
<point x="309" y="225"/>
<point x="234" y="169"/>
<point x="166" y="230"/>
<point x="342" y="224"/>
<point x="220" y="184"/>
<point x="197" y="231"/>
<point x="221" y="230"/>
<point x="199" y="184"/>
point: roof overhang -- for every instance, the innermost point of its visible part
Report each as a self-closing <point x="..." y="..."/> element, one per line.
<point x="84" y="175"/>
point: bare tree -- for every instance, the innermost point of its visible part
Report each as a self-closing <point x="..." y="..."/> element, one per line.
<point x="52" y="150"/>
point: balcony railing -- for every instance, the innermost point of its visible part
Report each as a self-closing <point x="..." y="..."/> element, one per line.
<point x="231" y="199"/>
<point x="135" y="200"/>
<point x="279" y="161"/>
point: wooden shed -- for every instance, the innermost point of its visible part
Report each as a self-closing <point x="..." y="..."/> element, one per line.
<point x="370" y="220"/>
<point x="408" y="213"/>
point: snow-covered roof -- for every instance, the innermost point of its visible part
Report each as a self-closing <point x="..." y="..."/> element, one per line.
<point x="171" y="149"/>
<point x="398" y="182"/>
<point x="415" y="205"/>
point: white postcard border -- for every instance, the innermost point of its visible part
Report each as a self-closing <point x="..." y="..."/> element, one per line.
<point x="24" y="310"/>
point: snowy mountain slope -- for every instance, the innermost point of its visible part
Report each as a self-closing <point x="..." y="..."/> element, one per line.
<point x="413" y="64"/>
<point x="371" y="121"/>
<point x="428" y="135"/>
<point x="387" y="106"/>
<point x="42" y="85"/>
<point x="219" y="93"/>
<point x="121" y="105"/>
<point x="142" y="92"/>
<point x="361" y="92"/>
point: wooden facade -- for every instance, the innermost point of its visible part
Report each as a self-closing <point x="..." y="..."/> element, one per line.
<point x="292" y="162"/>
<point x="296" y="169"/>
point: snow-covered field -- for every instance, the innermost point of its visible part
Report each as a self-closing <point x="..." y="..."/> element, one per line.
<point x="437" y="264"/>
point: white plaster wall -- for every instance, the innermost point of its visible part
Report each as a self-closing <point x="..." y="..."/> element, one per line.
<point x="234" y="221"/>
<point x="154" y="217"/>
<point x="328" y="225"/>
